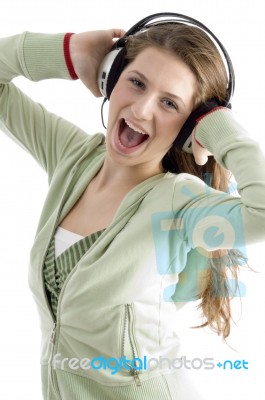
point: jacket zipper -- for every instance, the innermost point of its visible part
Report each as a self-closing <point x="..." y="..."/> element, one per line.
<point x="52" y="372"/>
<point x="53" y="334"/>
<point x="128" y="333"/>
<point x="53" y="376"/>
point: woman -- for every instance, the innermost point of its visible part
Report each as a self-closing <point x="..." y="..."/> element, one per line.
<point x="126" y="214"/>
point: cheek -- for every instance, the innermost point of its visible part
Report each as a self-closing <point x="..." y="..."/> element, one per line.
<point x="179" y="124"/>
<point x="119" y="91"/>
<point x="116" y="102"/>
<point x="170" y="129"/>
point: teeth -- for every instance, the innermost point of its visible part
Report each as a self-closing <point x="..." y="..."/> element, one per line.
<point x="134" y="128"/>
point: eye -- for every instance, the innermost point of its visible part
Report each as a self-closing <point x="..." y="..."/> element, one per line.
<point x="136" y="82"/>
<point x="170" y="104"/>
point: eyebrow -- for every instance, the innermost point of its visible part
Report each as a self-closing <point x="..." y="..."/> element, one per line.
<point x="173" y="96"/>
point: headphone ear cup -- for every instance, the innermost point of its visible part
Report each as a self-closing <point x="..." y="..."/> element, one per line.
<point x="110" y="70"/>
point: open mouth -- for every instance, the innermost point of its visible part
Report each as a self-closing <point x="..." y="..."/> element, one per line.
<point x="130" y="135"/>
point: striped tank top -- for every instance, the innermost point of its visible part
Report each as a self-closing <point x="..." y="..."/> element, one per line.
<point x="57" y="269"/>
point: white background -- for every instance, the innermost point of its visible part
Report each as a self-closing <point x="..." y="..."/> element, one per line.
<point x="240" y="27"/>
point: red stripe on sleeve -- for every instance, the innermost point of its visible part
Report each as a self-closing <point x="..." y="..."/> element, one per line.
<point x="67" y="56"/>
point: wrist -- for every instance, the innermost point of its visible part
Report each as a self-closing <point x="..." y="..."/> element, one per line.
<point x="193" y="119"/>
<point x="201" y="117"/>
<point x="67" y="55"/>
<point x="215" y="128"/>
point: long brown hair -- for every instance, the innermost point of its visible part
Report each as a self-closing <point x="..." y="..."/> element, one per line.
<point x="198" y="51"/>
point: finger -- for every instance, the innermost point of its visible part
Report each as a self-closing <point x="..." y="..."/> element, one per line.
<point x="201" y="160"/>
<point x="117" y="33"/>
<point x="199" y="152"/>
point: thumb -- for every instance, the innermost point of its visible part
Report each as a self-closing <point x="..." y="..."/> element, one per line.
<point x="200" y="153"/>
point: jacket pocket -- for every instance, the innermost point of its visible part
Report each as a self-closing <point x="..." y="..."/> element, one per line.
<point x="129" y="349"/>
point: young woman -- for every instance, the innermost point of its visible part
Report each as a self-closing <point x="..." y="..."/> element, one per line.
<point x="128" y="215"/>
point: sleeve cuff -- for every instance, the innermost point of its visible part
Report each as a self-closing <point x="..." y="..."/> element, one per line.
<point x="214" y="127"/>
<point x="67" y="56"/>
<point x="219" y="132"/>
<point x="44" y="56"/>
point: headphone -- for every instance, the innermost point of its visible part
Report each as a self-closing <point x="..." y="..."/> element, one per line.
<point x="114" y="63"/>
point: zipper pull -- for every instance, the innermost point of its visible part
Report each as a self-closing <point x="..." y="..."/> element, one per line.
<point x="136" y="377"/>
<point x="53" y="333"/>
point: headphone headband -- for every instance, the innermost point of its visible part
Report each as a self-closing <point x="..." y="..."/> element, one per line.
<point x="170" y="17"/>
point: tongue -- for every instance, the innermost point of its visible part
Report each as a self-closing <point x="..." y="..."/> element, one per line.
<point x="130" y="138"/>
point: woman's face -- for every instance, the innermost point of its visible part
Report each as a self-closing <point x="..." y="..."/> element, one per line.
<point x="148" y="106"/>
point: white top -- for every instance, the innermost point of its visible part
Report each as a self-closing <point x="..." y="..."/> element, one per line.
<point x="65" y="239"/>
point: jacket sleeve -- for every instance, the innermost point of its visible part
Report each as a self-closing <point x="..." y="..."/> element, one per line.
<point x="211" y="219"/>
<point x="47" y="137"/>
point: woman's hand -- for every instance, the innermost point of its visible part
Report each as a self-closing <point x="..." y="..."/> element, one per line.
<point x="87" y="50"/>
<point x="200" y="153"/>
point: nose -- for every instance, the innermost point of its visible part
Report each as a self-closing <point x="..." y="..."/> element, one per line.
<point x="143" y="107"/>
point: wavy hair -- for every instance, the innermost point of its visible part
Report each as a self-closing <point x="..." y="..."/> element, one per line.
<point x="197" y="50"/>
